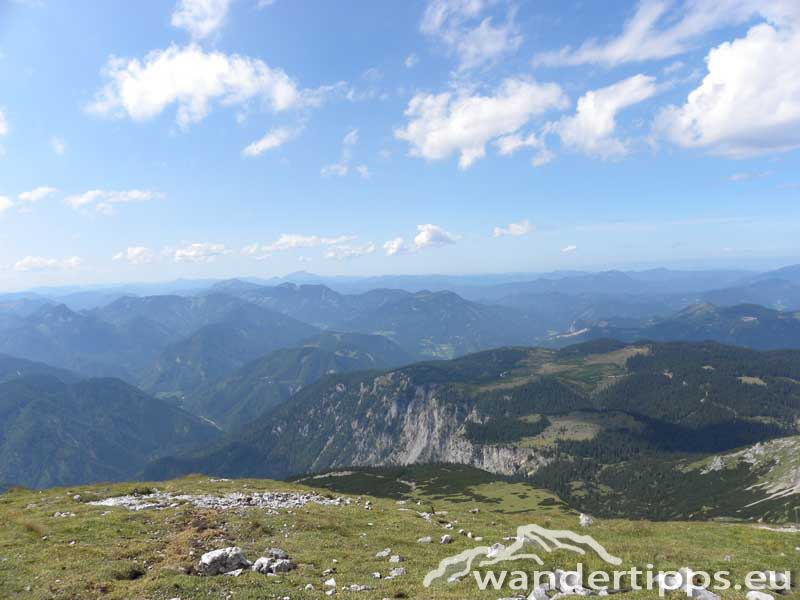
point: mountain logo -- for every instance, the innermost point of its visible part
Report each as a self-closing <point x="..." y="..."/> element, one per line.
<point x="547" y="540"/>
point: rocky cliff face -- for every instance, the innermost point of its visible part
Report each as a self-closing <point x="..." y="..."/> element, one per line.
<point x="408" y="423"/>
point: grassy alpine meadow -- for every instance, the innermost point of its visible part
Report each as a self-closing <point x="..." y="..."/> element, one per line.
<point x="54" y="544"/>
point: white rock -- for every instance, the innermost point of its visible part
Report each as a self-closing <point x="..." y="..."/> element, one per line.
<point x="263" y="565"/>
<point x="223" y="560"/>
<point x="383" y="553"/>
<point x="585" y="520"/>
<point x="425" y="540"/>
<point x="446" y="539"/>
<point x="330" y="582"/>
<point x="396" y="558"/>
<point x="398" y="572"/>
<point x="754" y="595"/>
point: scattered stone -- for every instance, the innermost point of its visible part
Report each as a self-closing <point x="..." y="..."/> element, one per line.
<point x="283" y="565"/>
<point x="270" y="501"/>
<point x="277" y="553"/>
<point x="263" y="565"/>
<point x="330" y="582"/>
<point x="62" y="515"/>
<point x="327" y="572"/>
<point x="585" y="520"/>
<point x="383" y="553"/>
<point x="396" y="558"/>
<point x="376" y="575"/>
<point x="397" y="572"/>
<point x="446" y="539"/>
<point x="309" y="587"/>
<point x="425" y="540"/>
<point x="357" y="588"/>
<point x="235" y="573"/>
<point x="222" y="561"/>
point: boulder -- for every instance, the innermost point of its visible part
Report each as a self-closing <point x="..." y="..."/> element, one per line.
<point x="222" y="561"/>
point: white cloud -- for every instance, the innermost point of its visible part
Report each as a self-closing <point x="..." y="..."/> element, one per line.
<point x="395" y="246"/>
<point x="346" y="251"/>
<point x="749" y="102"/>
<point x="3" y="122"/>
<point x="37" y="194"/>
<point x="591" y="129"/>
<point x="663" y="28"/>
<point x="508" y="144"/>
<point x="372" y="74"/>
<point x="442" y="124"/>
<point x="5" y="204"/>
<point x="37" y="263"/>
<point x="104" y="201"/>
<point x="291" y="241"/>
<point x="264" y="3"/>
<point x="342" y="168"/>
<point x="335" y="169"/>
<point x="193" y="80"/>
<point x="199" y="253"/>
<point x="271" y="140"/>
<point x="432" y="235"/>
<point x="428" y="236"/>
<point x="58" y="145"/>
<point x="350" y="138"/>
<point x="411" y="61"/>
<point x="200" y="18"/>
<point x="522" y="228"/>
<point x="473" y="38"/>
<point x="568" y="249"/>
<point x="135" y="255"/>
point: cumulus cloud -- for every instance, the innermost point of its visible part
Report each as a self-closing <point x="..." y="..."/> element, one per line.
<point x="591" y="129"/>
<point x="271" y="140"/>
<point x="428" y="236"/>
<point x="363" y="170"/>
<point x="200" y="18"/>
<point x="335" y="169"/>
<point x="462" y="122"/>
<point x="749" y="102"/>
<point x="568" y="249"/>
<point x="38" y="263"/>
<point x="37" y="194"/>
<point x="475" y="39"/>
<point x="199" y="253"/>
<point x="5" y="204"/>
<point x="663" y="28"/>
<point x="135" y="255"/>
<point x="103" y="201"/>
<point x="193" y="80"/>
<point x="3" y="122"/>
<point x="58" y="145"/>
<point x="291" y="241"/>
<point x="515" y="229"/>
<point x="345" y="251"/>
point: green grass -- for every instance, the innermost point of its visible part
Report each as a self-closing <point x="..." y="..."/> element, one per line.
<point x="128" y="555"/>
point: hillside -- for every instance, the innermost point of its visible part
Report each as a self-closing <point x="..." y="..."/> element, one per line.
<point x="324" y="526"/>
<point x="217" y="350"/>
<point x="58" y="433"/>
<point x="266" y="382"/>
<point x="519" y="411"/>
<point x="746" y="325"/>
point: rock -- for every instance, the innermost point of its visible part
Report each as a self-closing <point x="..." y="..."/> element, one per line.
<point x="397" y="572"/>
<point x="495" y="550"/>
<point x="330" y="582"/>
<point x="776" y="579"/>
<point x="446" y="539"/>
<point x="283" y="565"/>
<point x="263" y="565"/>
<point x="478" y="538"/>
<point x="585" y="520"/>
<point x="277" y="553"/>
<point x="221" y="561"/>
<point x="235" y="573"/>
<point x="376" y="575"/>
<point x="425" y="540"/>
<point x="357" y="588"/>
<point x="383" y="553"/>
<point x="754" y="595"/>
<point x="309" y="587"/>
<point x="327" y="572"/>
<point x="539" y="593"/>
<point x="396" y="558"/>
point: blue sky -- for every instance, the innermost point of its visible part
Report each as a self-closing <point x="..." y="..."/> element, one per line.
<point x="212" y="138"/>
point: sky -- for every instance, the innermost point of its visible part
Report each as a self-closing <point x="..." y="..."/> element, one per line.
<point x="155" y="140"/>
